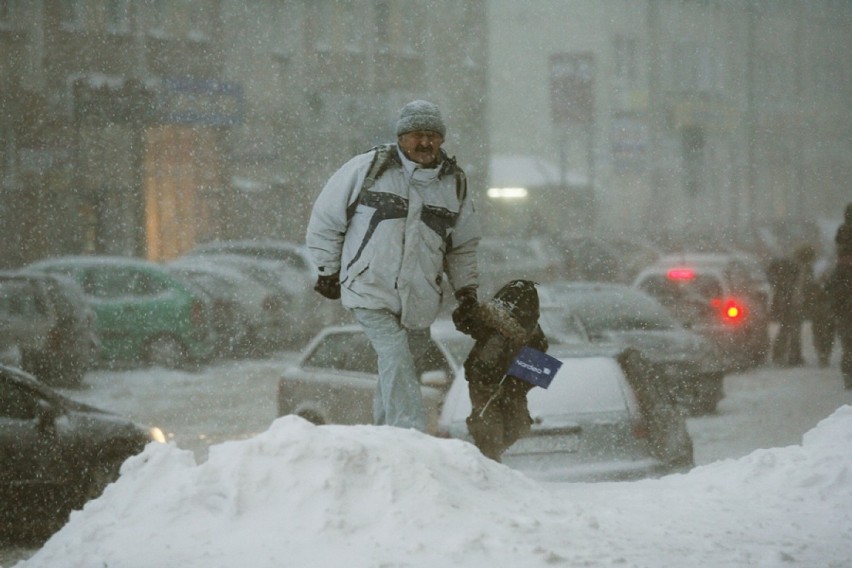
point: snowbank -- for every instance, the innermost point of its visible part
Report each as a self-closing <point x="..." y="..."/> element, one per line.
<point x="299" y="495"/>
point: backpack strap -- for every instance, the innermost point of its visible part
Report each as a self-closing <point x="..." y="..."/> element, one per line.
<point x="382" y="158"/>
<point x="384" y="155"/>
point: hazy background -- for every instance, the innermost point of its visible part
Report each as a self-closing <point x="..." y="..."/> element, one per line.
<point x="145" y="127"/>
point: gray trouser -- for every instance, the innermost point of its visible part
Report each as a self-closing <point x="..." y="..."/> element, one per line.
<point x="398" y="400"/>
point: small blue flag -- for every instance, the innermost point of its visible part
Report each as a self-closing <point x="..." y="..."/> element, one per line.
<point x="534" y="367"/>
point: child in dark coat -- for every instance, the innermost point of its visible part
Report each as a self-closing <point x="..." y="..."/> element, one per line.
<point x="501" y="327"/>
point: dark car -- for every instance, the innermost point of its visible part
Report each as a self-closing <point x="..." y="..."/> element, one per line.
<point x="689" y="364"/>
<point x="52" y="322"/>
<point x="717" y="296"/>
<point x="145" y="314"/>
<point x="55" y="453"/>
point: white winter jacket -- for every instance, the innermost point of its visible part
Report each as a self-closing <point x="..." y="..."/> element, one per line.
<point x="407" y="230"/>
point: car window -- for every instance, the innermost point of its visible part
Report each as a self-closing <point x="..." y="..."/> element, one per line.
<point x="459" y="346"/>
<point x="621" y="312"/>
<point x="663" y="288"/>
<point x="120" y="282"/>
<point x="15" y="402"/>
<point x="18" y="300"/>
<point x="433" y="360"/>
<point x="560" y="327"/>
<point x="352" y="351"/>
<point x="344" y="352"/>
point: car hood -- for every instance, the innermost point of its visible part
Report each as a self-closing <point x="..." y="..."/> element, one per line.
<point x="101" y="424"/>
<point x="669" y="346"/>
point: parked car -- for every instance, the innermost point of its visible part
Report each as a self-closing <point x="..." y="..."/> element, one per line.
<point x="23" y="324"/>
<point x="591" y="259"/>
<point x="56" y="453"/>
<point x="52" y="323"/>
<point x="249" y="318"/>
<point x="287" y="267"/>
<point x="744" y="272"/>
<point x="717" y="301"/>
<point x="689" y="365"/>
<point x="145" y="315"/>
<point x="604" y="417"/>
<point x="292" y="254"/>
<point x="502" y="259"/>
<point x="335" y="379"/>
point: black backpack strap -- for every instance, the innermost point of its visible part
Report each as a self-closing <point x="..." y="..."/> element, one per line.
<point x="385" y="154"/>
<point x="451" y="167"/>
<point x="382" y="158"/>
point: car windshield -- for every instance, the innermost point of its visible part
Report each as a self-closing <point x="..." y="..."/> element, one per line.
<point x="622" y="310"/>
<point x="668" y="289"/>
<point x="560" y="327"/>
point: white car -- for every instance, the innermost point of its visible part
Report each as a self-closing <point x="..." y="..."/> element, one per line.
<point x="603" y="418"/>
<point x="335" y="379"/>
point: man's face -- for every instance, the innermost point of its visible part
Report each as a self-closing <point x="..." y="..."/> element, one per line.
<point x="422" y="147"/>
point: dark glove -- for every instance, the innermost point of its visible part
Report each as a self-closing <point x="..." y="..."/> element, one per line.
<point x="329" y="286"/>
<point x="466" y="314"/>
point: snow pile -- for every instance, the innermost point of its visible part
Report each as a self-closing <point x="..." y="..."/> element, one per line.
<point x="299" y="495"/>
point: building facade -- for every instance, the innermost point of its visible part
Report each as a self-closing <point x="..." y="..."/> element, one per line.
<point x="676" y="115"/>
<point x="142" y="128"/>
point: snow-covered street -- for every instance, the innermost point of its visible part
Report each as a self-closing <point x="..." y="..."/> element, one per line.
<point x="297" y="495"/>
<point x="764" y="408"/>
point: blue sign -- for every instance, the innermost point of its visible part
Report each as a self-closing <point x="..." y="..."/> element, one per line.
<point x="206" y="102"/>
<point x="534" y="367"/>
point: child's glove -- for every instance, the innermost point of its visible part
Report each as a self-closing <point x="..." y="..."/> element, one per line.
<point x="466" y="314"/>
<point x="329" y="286"/>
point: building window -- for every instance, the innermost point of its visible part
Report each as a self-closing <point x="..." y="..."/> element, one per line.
<point x="696" y="68"/>
<point x="6" y="12"/>
<point x="199" y="20"/>
<point x="157" y="17"/>
<point x="72" y="14"/>
<point x="286" y="20"/>
<point x="398" y="27"/>
<point x="118" y="16"/>
<point x="626" y="70"/>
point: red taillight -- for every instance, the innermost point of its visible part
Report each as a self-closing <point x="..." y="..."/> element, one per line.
<point x="730" y="310"/>
<point x="681" y="274"/>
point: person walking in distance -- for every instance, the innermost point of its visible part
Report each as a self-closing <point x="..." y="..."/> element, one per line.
<point x="383" y="232"/>
<point x="839" y="288"/>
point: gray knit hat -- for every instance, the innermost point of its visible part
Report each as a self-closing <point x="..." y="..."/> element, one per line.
<point x="420" y="115"/>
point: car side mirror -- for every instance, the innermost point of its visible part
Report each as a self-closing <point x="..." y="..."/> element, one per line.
<point x="436" y="379"/>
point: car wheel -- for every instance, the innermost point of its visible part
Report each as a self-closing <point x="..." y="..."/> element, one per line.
<point x="165" y="351"/>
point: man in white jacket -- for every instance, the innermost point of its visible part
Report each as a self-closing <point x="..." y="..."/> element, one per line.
<point x="383" y="247"/>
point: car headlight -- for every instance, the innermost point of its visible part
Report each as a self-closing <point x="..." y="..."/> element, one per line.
<point x="157" y="435"/>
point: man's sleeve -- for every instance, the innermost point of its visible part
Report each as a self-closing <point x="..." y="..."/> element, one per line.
<point x="328" y="222"/>
<point x="460" y="262"/>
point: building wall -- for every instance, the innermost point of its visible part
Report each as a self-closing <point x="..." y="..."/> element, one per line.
<point x="325" y="81"/>
<point x="708" y="115"/>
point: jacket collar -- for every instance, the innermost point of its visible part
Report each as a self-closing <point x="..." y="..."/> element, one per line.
<point x="415" y="170"/>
